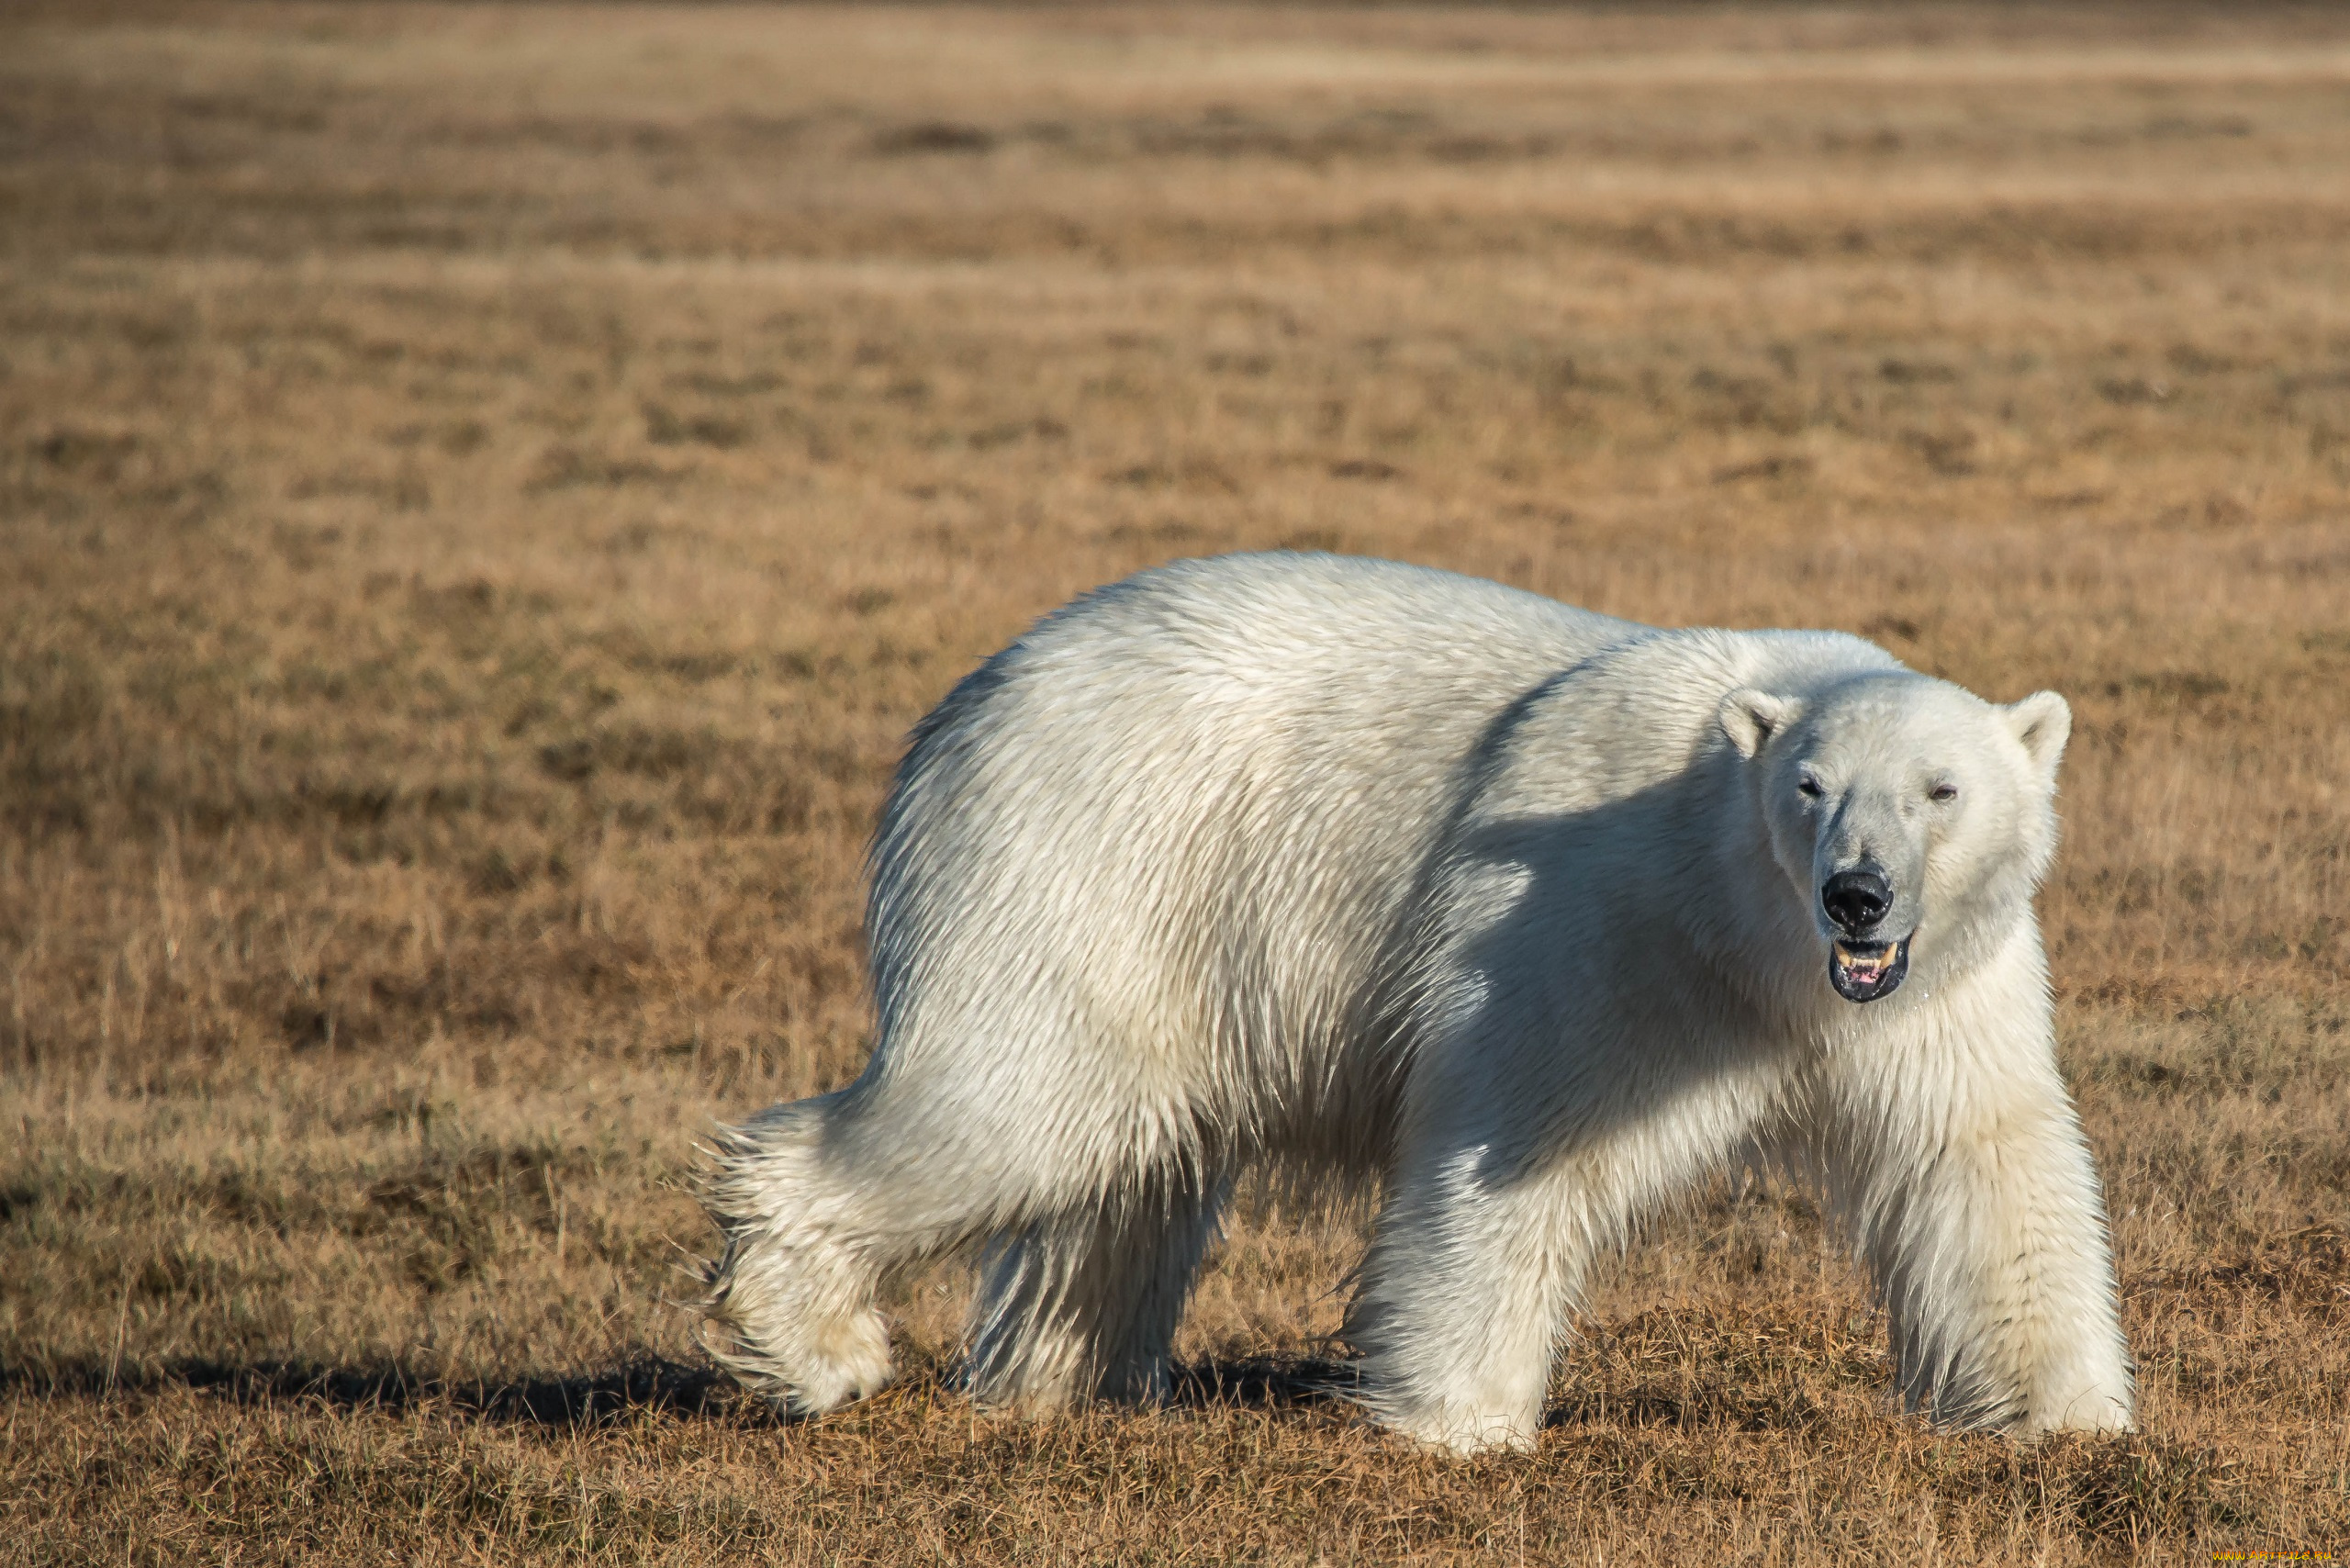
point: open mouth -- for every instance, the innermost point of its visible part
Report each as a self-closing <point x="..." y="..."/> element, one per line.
<point x="1862" y="971"/>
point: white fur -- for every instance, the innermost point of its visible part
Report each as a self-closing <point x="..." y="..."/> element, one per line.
<point x="1404" y="878"/>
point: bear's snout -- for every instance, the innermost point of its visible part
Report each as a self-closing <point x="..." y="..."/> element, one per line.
<point x="1856" y="900"/>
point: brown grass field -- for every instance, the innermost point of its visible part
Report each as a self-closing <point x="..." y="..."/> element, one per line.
<point x="483" y="491"/>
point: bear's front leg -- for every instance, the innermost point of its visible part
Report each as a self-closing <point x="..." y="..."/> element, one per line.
<point x="1957" y="1164"/>
<point x="1471" y="1273"/>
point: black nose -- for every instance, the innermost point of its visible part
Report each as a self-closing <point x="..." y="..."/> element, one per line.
<point x="1856" y="899"/>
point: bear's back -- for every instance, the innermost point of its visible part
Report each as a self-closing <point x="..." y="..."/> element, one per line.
<point x="1275" y="680"/>
<point x="1288" y="634"/>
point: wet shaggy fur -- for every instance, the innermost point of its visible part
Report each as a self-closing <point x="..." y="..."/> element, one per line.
<point x="1512" y="910"/>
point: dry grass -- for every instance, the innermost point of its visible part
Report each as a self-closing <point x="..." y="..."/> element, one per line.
<point x="483" y="491"/>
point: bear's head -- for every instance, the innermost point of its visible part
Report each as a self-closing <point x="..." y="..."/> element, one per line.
<point x="1903" y="809"/>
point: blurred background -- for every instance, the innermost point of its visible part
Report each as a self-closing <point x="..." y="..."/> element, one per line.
<point x="484" y="489"/>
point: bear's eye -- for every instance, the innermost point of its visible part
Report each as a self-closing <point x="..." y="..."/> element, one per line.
<point x="1809" y="786"/>
<point x="1943" y="791"/>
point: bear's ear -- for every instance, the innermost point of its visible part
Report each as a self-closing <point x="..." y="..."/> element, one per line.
<point x="1750" y="718"/>
<point x="2042" y="723"/>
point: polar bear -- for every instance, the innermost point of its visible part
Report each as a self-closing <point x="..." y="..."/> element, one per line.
<point x="1527" y="916"/>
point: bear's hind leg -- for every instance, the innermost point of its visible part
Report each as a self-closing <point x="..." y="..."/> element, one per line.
<point x="1085" y="1306"/>
<point x="789" y="1310"/>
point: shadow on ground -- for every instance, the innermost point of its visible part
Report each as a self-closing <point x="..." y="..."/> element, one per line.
<point x="1264" y="1383"/>
<point x="649" y="1384"/>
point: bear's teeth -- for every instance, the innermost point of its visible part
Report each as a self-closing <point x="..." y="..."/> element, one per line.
<point x="1865" y="965"/>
